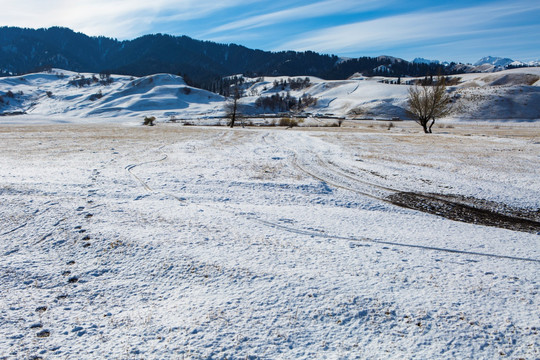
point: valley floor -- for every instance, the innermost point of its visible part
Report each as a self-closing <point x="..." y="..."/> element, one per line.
<point x="177" y="242"/>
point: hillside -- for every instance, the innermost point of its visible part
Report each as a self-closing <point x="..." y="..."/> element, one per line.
<point x="73" y="97"/>
<point x="62" y="93"/>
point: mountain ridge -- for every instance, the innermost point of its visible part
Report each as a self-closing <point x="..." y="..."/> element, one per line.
<point x="202" y="63"/>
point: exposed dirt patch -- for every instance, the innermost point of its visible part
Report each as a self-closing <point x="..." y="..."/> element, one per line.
<point x="470" y="210"/>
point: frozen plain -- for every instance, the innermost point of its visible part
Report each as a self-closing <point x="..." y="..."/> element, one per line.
<point x="130" y="242"/>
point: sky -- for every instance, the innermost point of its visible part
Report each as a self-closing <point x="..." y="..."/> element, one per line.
<point x="458" y="30"/>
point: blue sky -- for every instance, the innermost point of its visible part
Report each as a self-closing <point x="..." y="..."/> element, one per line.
<point x="445" y="30"/>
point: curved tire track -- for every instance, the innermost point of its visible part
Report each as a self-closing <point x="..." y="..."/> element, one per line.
<point x="437" y="204"/>
<point x="311" y="233"/>
<point x="130" y="168"/>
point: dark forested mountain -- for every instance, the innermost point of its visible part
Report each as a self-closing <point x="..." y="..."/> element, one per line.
<point x="200" y="62"/>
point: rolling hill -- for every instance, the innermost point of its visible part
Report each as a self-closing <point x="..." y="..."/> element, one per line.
<point x="507" y="95"/>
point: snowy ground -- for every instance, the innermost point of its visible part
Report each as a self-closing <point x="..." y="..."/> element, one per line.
<point x="130" y="242"/>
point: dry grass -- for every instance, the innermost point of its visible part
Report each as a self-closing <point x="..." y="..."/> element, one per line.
<point x="463" y="140"/>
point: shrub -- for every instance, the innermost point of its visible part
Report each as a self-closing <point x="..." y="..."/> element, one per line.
<point x="288" y="122"/>
<point x="149" y="120"/>
<point x="80" y="81"/>
<point x="96" y="96"/>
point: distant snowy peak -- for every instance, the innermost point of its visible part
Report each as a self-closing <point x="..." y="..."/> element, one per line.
<point x="518" y="63"/>
<point x="495" y="61"/>
<point x="425" y="61"/>
<point x="493" y="64"/>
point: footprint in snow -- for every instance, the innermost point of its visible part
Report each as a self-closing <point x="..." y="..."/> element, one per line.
<point x="41" y="309"/>
<point x="43" y="334"/>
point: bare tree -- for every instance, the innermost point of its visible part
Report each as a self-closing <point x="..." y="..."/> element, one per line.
<point x="428" y="102"/>
<point x="232" y="109"/>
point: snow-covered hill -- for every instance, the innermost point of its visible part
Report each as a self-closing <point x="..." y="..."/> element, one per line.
<point x="66" y="94"/>
<point x="505" y="95"/>
<point x="72" y="97"/>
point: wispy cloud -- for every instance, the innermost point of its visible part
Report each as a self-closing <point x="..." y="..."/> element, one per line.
<point x="502" y="42"/>
<point x="367" y="26"/>
<point x="117" y="18"/>
<point x="317" y="9"/>
<point x="412" y="28"/>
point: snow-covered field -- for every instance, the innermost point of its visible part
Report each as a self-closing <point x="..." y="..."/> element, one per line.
<point x="171" y="242"/>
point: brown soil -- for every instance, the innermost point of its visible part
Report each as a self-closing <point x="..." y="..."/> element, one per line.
<point x="470" y="210"/>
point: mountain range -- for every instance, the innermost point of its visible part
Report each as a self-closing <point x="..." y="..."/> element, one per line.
<point x="201" y="63"/>
<point x="483" y="65"/>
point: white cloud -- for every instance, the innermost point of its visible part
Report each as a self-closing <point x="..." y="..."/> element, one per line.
<point x="116" y="18"/>
<point x="321" y="8"/>
<point x="410" y="28"/>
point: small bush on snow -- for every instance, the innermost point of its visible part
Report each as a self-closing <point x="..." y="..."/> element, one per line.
<point x="149" y="120"/>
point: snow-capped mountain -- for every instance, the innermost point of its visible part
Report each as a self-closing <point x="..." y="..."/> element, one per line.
<point x="420" y="60"/>
<point x="495" y="61"/>
<point x="493" y="64"/>
<point x="518" y="63"/>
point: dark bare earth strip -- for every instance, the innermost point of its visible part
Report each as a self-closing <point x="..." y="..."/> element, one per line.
<point x="467" y="211"/>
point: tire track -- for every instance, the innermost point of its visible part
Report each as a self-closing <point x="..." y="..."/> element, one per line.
<point x="130" y="168"/>
<point x="436" y="204"/>
<point x="392" y="243"/>
<point x="297" y="231"/>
